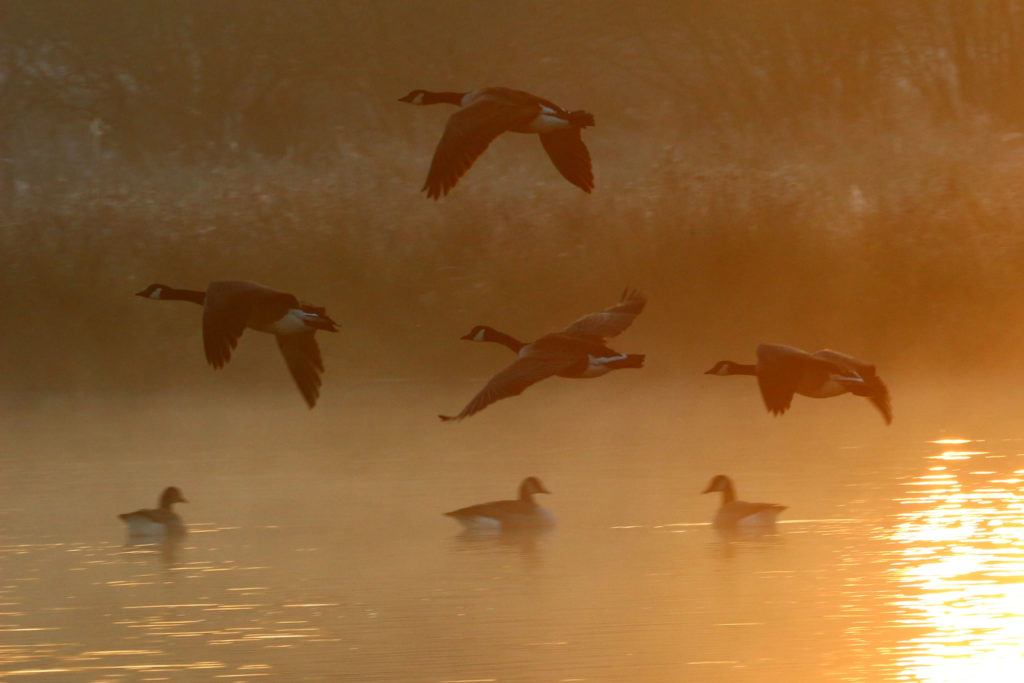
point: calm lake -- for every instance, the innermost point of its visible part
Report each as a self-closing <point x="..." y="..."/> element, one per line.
<point x="318" y="549"/>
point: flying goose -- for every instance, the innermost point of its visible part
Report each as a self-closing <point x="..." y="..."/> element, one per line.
<point x="522" y="513"/>
<point x="782" y="371"/>
<point x="230" y="307"/>
<point x="734" y="513"/>
<point x="487" y="113"/>
<point x="578" y="351"/>
<point x="160" y="522"/>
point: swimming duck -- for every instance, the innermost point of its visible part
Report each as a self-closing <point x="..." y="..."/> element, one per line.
<point x="782" y="371"/>
<point x="734" y="513"/>
<point x="487" y="113"/>
<point x="230" y="307"/>
<point x="160" y="522"/>
<point x="521" y="513"/>
<point x="578" y="351"/>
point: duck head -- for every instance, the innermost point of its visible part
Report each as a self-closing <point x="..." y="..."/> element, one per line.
<point x="170" y="496"/>
<point x="530" y="486"/>
<point x="719" y="482"/>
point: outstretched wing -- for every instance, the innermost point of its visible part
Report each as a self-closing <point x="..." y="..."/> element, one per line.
<point x="570" y="156"/>
<point x="611" y="321"/>
<point x="879" y="397"/>
<point x="302" y="354"/>
<point x="226" y="312"/>
<point x="780" y="370"/>
<point x="468" y="133"/>
<point x="871" y="387"/>
<point x="846" y="363"/>
<point x="230" y="307"/>
<point x="512" y="381"/>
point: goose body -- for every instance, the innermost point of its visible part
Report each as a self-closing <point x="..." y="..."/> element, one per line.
<point x="739" y="514"/>
<point x="230" y="307"/>
<point x="782" y="371"/>
<point x="520" y="513"/>
<point x="487" y="113"/>
<point x="578" y="351"/>
<point x="161" y="522"/>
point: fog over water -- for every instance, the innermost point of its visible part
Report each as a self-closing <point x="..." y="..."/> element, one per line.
<point x="807" y="175"/>
<point x="317" y="548"/>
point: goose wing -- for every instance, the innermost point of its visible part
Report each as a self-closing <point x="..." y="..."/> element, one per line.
<point x="780" y="370"/>
<point x="570" y="156"/>
<point x="611" y="321"/>
<point x="879" y="397"/>
<point x="739" y="511"/>
<point x="226" y="312"/>
<point x="155" y="516"/>
<point x="497" y="509"/>
<point x="302" y="355"/>
<point x="468" y="133"/>
<point x="510" y="97"/>
<point x="847" y="363"/>
<point x="512" y="381"/>
<point x="870" y="386"/>
<point x="229" y="308"/>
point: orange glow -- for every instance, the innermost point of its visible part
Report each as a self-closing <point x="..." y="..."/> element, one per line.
<point x="960" y="563"/>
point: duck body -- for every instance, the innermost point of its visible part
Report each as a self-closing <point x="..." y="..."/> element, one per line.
<point x="504" y="515"/>
<point x="487" y="113"/>
<point x="229" y="307"/>
<point x="161" y="522"/>
<point x="783" y="371"/>
<point x="578" y="352"/>
<point x="739" y="514"/>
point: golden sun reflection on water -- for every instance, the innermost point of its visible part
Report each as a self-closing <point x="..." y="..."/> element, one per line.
<point x="960" y="563"/>
<point x="114" y="589"/>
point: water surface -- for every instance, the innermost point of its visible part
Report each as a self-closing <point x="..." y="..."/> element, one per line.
<point x="317" y="548"/>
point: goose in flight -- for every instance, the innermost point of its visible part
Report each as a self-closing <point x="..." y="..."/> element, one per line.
<point x="487" y="113"/>
<point x="578" y="351"/>
<point x="231" y="307"/>
<point x="782" y="371"/>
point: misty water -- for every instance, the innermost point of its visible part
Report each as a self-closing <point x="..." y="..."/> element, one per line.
<point x="825" y="175"/>
<point x="317" y="548"/>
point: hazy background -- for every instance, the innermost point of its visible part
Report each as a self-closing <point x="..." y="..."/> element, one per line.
<point x="793" y="171"/>
<point x="796" y="171"/>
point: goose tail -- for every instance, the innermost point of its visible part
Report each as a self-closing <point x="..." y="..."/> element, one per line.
<point x="581" y="119"/>
<point x="322" y="322"/>
<point x="633" y="360"/>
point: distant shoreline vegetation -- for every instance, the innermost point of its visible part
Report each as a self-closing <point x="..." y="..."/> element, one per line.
<point x="794" y="172"/>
